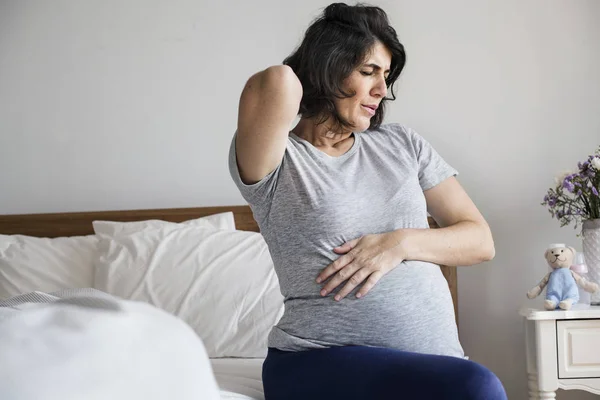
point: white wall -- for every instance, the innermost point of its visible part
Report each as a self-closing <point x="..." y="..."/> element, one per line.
<point x="122" y="105"/>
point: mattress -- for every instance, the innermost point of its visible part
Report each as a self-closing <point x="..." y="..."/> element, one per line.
<point x="239" y="378"/>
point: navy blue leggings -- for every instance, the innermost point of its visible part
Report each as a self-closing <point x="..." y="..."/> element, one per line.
<point x="372" y="373"/>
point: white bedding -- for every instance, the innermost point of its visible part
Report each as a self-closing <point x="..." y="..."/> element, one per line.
<point x="239" y="378"/>
<point x="83" y="343"/>
<point x="86" y="345"/>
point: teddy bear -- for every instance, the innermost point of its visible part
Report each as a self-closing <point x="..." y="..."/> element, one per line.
<point x="562" y="291"/>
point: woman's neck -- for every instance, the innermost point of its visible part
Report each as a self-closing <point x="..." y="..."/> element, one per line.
<point x="323" y="138"/>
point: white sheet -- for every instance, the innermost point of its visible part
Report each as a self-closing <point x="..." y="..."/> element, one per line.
<point x="97" y="348"/>
<point x="239" y="378"/>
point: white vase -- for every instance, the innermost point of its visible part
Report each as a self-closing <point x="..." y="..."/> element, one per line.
<point x="591" y="252"/>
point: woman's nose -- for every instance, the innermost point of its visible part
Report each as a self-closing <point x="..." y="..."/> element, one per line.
<point x="381" y="88"/>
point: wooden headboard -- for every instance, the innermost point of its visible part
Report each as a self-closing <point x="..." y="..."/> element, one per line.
<point x="80" y="223"/>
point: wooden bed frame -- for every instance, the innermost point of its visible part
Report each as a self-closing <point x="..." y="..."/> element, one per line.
<point x="80" y="223"/>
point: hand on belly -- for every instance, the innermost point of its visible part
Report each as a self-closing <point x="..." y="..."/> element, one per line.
<point x="367" y="259"/>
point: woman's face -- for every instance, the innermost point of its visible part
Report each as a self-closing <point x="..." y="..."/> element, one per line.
<point x="368" y="82"/>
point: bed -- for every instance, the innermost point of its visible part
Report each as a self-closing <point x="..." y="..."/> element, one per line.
<point x="237" y="377"/>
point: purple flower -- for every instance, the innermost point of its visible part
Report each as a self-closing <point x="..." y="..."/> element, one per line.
<point x="550" y="199"/>
<point x="575" y="194"/>
<point x="567" y="184"/>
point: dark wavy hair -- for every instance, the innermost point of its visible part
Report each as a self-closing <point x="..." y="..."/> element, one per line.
<point x="334" y="45"/>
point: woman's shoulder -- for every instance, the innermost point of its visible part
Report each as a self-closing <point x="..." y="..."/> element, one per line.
<point x="390" y="133"/>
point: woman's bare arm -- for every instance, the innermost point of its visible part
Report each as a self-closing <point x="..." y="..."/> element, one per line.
<point x="464" y="238"/>
<point x="268" y="105"/>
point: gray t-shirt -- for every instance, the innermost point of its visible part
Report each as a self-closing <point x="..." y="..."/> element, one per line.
<point x="312" y="203"/>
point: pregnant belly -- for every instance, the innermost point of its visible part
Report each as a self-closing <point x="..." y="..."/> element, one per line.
<point x="409" y="309"/>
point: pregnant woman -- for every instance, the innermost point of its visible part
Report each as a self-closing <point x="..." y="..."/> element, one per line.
<point x="342" y="201"/>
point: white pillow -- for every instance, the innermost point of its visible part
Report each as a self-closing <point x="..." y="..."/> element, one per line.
<point x="224" y="221"/>
<point x="101" y="349"/>
<point x="222" y="283"/>
<point x="30" y="263"/>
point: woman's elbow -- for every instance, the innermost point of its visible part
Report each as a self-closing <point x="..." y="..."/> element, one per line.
<point x="489" y="253"/>
<point x="487" y="248"/>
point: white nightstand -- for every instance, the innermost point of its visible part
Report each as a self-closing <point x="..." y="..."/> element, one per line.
<point x="563" y="350"/>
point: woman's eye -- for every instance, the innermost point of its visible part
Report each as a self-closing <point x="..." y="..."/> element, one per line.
<point x="366" y="73"/>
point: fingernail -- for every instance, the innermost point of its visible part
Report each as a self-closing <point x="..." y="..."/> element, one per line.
<point x="358" y="295"/>
<point x="318" y="280"/>
<point x="337" y="298"/>
<point x="323" y="292"/>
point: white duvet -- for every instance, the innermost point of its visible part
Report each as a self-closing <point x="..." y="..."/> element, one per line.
<point x="108" y="349"/>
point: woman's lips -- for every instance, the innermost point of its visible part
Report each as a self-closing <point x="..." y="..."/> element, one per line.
<point x="370" y="110"/>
